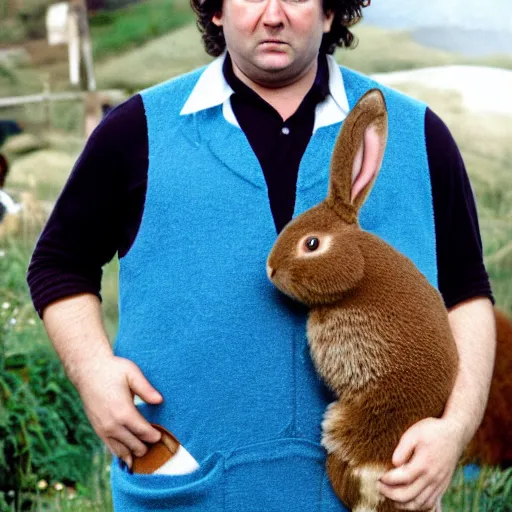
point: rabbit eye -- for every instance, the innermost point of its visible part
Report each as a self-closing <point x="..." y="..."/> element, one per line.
<point x="312" y="243"/>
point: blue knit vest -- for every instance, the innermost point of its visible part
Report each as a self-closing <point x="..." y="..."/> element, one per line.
<point x="200" y="318"/>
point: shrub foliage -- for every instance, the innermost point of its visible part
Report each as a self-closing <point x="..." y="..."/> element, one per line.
<point x="44" y="433"/>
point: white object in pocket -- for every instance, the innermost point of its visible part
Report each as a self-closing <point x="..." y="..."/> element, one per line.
<point x="181" y="463"/>
<point x="165" y="457"/>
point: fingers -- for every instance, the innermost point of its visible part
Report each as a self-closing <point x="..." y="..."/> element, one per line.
<point x="414" y="488"/>
<point x="404" y="475"/>
<point x="127" y="434"/>
<point x="118" y="449"/>
<point x="434" y="500"/>
<point x="125" y="445"/>
<point x="108" y="402"/>
<point x="140" y="386"/>
<point x="143" y="429"/>
<point x="423" y="501"/>
<point x="134" y="445"/>
<point x="405" y="493"/>
<point x="405" y="448"/>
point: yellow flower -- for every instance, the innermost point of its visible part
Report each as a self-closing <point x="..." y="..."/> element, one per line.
<point x="42" y="485"/>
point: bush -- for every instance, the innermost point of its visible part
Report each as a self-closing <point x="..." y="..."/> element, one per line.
<point x="44" y="433"/>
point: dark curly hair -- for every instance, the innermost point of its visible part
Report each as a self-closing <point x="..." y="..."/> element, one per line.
<point x="346" y="14"/>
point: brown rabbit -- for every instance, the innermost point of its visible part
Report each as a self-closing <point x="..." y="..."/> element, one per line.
<point x="378" y="331"/>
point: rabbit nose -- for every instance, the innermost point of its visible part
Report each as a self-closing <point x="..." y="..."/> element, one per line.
<point x="270" y="271"/>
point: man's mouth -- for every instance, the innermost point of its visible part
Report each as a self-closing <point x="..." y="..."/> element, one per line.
<point x="272" y="41"/>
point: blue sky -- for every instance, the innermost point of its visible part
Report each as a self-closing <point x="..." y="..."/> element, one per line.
<point x="475" y="14"/>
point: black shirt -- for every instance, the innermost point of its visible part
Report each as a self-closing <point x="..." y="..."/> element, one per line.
<point x="100" y="209"/>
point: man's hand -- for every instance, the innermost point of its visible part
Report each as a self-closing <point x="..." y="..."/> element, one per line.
<point x="107" y="391"/>
<point x="106" y="383"/>
<point x="425" y="460"/>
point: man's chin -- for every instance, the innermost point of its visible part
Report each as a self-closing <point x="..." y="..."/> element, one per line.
<point x="274" y="62"/>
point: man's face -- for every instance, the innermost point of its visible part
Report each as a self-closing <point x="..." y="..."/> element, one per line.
<point x="273" y="40"/>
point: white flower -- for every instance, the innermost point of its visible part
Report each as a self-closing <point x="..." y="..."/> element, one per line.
<point x="12" y="321"/>
<point x="31" y="321"/>
<point x="42" y="485"/>
<point x="11" y="493"/>
<point x="6" y="305"/>
<point x="58" y="486"/>
<point x="2" y="254"/>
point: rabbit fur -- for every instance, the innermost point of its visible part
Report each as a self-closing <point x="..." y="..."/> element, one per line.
<point x="378" y="331"/>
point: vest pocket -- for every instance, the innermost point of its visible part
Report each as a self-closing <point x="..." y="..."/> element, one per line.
<point x="201" y="490"/>
<point x="275" y="476"/>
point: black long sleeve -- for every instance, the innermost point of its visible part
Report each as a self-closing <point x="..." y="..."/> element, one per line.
<point x="100" y="209"/>
<point x="461" y="271"/>
<point x="98" y="212"/>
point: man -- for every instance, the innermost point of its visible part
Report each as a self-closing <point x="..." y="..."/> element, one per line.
<point x="189" y="182"/>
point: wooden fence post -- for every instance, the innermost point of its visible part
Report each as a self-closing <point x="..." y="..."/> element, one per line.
<point x="47" y="104"/>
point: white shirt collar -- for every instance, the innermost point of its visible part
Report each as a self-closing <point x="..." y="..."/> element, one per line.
<point x="212" y="89"/>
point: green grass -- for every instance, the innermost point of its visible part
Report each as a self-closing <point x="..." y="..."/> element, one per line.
<point x="490" y="492"/>
<point x="163" y="58"/>
<point x="44" y="433"/>
<point x="112" y="30"/>
<point x="118" y="31"/>
<point x="16" y="80"/>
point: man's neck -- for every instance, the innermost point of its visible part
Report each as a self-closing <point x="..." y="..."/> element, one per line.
<point x="285" y="99"/>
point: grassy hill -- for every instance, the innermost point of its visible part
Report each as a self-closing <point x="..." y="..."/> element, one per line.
<point x="378" y="50"/>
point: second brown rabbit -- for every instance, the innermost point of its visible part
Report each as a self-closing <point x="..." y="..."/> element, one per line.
<point x="378" y="331"/>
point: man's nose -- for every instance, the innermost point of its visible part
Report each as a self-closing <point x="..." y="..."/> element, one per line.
<point x="273" y="16"/>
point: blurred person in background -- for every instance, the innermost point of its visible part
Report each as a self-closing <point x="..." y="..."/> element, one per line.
<point x="190" y="182"/>
<point x="7" y="204"/>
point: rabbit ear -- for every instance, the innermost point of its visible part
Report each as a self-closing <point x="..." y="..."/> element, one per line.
<point x="358" y="155"/>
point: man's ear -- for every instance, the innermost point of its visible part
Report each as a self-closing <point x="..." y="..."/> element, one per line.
<point x="329" y="17"/>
